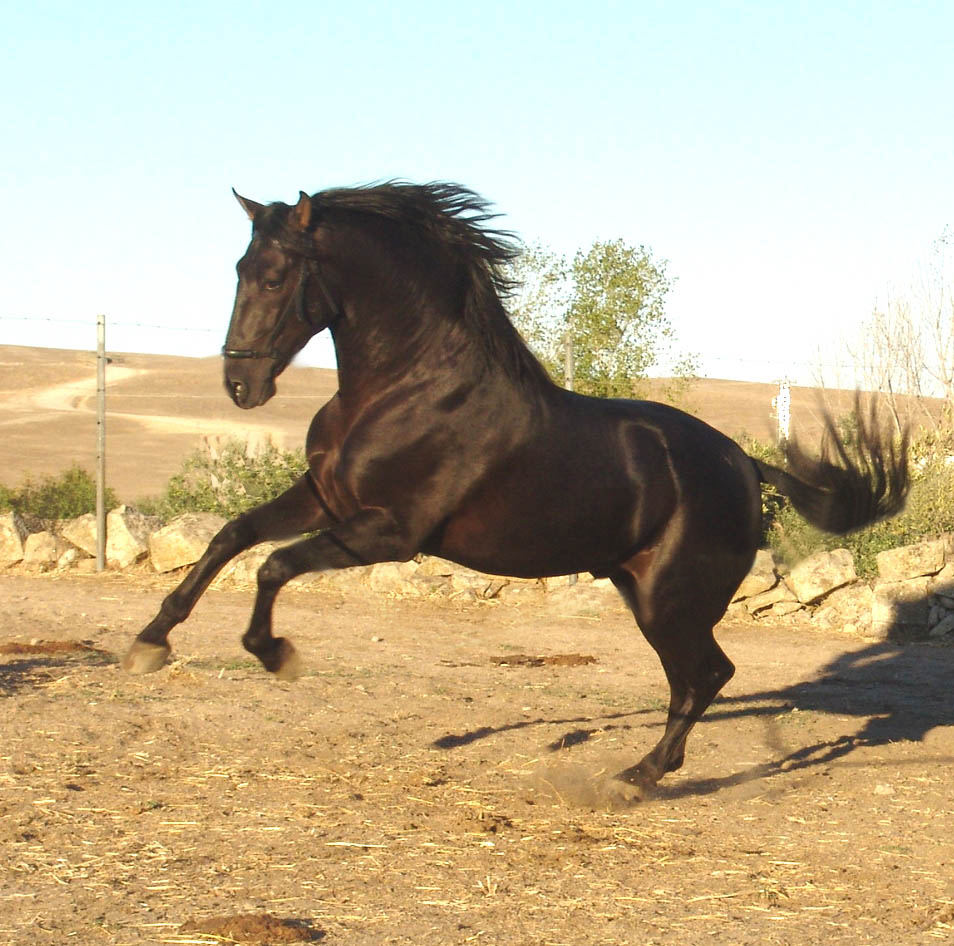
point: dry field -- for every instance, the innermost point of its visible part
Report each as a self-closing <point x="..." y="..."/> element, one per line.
<point x="159" y="407"/>
<point x="412" y="788"/>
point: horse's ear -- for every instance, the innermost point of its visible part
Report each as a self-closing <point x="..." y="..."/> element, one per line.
<point x="301" y="215"/>
<point x="249" y="206"/>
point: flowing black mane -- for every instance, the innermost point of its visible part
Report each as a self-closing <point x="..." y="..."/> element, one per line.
<point x="445" y="212"/>
<point x="453" y="218"/>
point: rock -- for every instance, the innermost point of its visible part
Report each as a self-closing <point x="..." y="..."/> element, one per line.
<point x="431" y="585"/>
<point x="44" y="548"/>
<point x="776" y="595"/>
<point x="901" y="608"/>
<point x="13" y="533"/>
<point x="761" y="576"/>
<point x="431" y="565"/>
<point x="465" y="580"/>
<point x="70" y="557"/>
<point x="943" y="583"/>
<point x="82" y="532"/>
<point x="355" y="578"/>
<point x="243" y="569"/>
<point x="822" y="573"/>
<point x="394" y="578"/>
<point x="183" y="541"/>
<point x="911" y="561"/>
<point x="529" y="591"/>
<point x="847" y="609"/>
<point x="943" y="627"/>
<point x="127" y="536"/>
<point x="784" y="608"/>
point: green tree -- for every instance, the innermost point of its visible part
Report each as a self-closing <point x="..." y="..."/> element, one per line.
<point x="609" y="301"/>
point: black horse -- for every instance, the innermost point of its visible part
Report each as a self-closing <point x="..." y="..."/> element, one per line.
<point x="447" y="437"/>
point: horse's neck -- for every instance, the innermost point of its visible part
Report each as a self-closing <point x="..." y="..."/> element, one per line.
<point x="376" y="357"/>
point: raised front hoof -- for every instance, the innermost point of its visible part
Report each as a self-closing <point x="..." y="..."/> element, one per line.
<point x="143" y="657"/>
<point x="283" y="660"/>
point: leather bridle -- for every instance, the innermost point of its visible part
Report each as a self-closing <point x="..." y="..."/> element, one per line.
<point x="295" y="306"/>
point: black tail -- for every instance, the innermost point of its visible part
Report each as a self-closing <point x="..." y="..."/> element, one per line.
<point x="847" y="487"/>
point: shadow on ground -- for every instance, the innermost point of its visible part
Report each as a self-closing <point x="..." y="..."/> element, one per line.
<point x="900" y="692"/>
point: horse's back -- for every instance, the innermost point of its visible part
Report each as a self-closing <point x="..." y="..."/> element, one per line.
<point x="597" y="480"/>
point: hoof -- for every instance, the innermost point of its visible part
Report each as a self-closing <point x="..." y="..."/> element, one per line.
<point x="634" y="785"/>
<point x="288" y="664"/>
<point x="145" y="658"/>
<point x="621" y="794"/>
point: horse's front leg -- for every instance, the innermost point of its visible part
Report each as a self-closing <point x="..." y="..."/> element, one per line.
<point x="294" y="512"/>
<point x="367" y="538"/>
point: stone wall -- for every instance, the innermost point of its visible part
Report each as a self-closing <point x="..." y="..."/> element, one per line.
<point x="912" y="598"/>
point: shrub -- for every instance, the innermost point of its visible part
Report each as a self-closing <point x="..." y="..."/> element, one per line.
<point x="228" y="481"/>
<point x="66" y="496"/>
<point x="929" y="512"/>
<point x="772" y="501"/>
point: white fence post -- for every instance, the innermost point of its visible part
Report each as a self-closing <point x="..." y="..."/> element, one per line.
<point x="782" y="403"/>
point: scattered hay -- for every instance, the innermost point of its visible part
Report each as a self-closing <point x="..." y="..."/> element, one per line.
<point x="550" y="660"/>
<point x="252" y="929"/>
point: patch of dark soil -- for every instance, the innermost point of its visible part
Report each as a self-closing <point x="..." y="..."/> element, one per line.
<point x="549" y="660"/>
<point x="253" y="929"/>
<point x="34" y="648"/>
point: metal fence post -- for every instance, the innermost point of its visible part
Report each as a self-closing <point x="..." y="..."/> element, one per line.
<point x="100" y="442"/>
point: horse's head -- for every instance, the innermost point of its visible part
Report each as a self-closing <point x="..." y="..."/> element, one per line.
<point x="281" y="301"/>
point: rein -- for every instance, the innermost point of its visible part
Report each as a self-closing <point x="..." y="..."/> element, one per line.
<point x="296" y="305"/>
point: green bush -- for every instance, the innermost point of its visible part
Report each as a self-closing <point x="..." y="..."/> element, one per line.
<point x="929" y="512"/>
<point x="66" y="496"/>
<point x="227" y="483"/>
<point x="772" y="501"/>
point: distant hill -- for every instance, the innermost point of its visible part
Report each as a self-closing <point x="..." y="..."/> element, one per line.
<point x="159" y="408"/>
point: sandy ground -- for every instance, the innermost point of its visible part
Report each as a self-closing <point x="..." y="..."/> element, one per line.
<point x="412" y="789"/>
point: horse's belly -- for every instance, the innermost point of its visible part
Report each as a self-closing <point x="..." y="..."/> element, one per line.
<point x="540" y="532"/>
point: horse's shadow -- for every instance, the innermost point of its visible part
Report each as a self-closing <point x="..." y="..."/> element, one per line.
<point x="899" y="692"/>
<point x="30" y="669"/>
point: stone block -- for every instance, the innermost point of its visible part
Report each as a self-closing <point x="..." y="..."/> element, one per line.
<point x="183" y="541"/>
<point x="901" y="608"/>
<point x="911" y="561"/>
<point x="822" y="573"/>
<point x="13" y="535"/>
<point x="127" y="536"/>
<point x="82" y="532"/>
<point x="761" y="576"/>
<point x="44" y="549"/>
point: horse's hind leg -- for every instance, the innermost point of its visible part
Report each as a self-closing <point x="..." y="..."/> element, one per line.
<point x="294" y="512"/>
<point x="679" y="628"/>
<point x="366" y="538"/>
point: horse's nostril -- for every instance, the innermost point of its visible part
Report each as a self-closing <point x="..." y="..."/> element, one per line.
<point x="238" y="389"/>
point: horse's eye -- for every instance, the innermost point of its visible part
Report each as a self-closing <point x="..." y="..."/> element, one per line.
<point x="272" y="284"/>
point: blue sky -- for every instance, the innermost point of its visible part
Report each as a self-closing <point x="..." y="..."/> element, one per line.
<point x="792" y="161"/>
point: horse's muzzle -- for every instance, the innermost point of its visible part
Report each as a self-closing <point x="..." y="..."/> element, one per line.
<point x="248" y="389"/>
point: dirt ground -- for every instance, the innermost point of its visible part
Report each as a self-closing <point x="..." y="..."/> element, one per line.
<point x="414" y="788"/>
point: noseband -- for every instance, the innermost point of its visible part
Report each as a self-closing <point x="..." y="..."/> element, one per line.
<point x="296" y="306"/>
